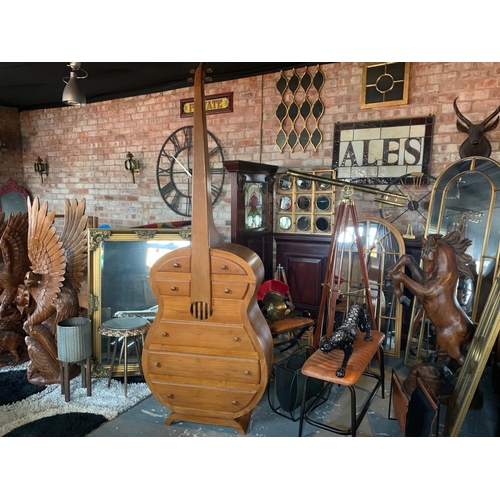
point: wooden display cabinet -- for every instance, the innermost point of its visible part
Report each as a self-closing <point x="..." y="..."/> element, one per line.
<point x="304" y="259"/>
<point x="252" y="208"/>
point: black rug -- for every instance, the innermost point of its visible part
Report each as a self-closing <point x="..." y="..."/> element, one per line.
<point x="27" y="410"/>
<point x="66" y="425"/>
<point x="14" y="386"/>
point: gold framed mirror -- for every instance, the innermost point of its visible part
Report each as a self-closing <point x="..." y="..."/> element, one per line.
<point x="465" y="197"/>
<point x="118" y="281"/>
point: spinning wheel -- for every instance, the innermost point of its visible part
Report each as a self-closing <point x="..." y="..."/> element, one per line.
<point x="417" y="188"/>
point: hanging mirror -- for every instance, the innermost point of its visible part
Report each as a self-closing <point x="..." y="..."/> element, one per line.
<point x="13" y="199"/>
<point x="466" y="197"/>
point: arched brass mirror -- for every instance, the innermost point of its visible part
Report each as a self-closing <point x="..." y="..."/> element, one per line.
<point x="13" y="199"/>
<point x="466" y="197"/>
<point x="383" y="245"/>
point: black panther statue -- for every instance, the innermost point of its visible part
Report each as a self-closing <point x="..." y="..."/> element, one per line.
<point x="343" y="337"/>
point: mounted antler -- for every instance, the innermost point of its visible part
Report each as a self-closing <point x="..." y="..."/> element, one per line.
<point x="476" y="144"/>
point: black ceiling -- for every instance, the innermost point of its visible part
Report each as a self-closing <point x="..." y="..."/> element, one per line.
<point x="39" y="85"/>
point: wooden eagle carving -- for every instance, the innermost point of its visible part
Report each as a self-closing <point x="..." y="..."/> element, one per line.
<point x="58" y="267"/>
<point x="14" y="264"/>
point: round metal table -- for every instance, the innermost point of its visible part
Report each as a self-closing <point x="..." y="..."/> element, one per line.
<point x="123" y="328"/>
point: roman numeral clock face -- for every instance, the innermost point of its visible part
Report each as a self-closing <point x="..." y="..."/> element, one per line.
<point x="174" y="170"/>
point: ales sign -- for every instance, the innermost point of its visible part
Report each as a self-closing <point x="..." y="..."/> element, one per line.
<point x="377" y="152"/>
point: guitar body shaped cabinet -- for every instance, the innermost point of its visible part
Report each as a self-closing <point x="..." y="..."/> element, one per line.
<point x="208" y="354"/>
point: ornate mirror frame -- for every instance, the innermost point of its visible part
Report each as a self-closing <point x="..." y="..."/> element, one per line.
<point x="14" y="197"/>
<point x="118" y="280"/>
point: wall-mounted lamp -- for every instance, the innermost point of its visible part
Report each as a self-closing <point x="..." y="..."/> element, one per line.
<point x="41" y="168"/>
<point x="73" y="94"/>
<point x="131" y="164"/>
<point x="2" y="148"/>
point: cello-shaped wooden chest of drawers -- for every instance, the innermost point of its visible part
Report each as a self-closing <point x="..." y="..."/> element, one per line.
<point x="214" y="370"/>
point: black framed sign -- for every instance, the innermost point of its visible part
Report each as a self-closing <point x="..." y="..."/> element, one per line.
<point x="379" y="151"/>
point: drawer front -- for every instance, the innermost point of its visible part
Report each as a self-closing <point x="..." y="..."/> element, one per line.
<point x="229" y="290"/>
<point x="219" y="369"/>
<point x="176" y="264"/>
<point x="189" y="398"/>
<point x="196" y="335"/>
<point x="225" y="266"/>
<point x="173" y="287"/>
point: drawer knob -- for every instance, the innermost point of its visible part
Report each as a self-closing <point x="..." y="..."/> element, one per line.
<point x="247" y="372"/>
<point x="170" y="396"/>
<point x="223" y="266"/>
<point x="226" y="290"/>
<point x="164" y="334"/>
<point x="157" y="364"/>
<point x="177" y="265"/>
<point x="236" y="339"/>
<point x="234" y="402"/>
<point x="173" y="288"/>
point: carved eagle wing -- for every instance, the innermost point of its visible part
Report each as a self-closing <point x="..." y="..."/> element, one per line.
<point x="74" y="239"/>
<point x="48" y="262"/>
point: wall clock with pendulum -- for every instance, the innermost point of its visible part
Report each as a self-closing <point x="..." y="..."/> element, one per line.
<point x="174" y="170"/>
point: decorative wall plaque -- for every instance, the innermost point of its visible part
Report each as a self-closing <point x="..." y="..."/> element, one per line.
<point x="385" y="84"/>
<point x="379" y="151"/>
<point x="300" y="109"/>
<point x="217" y="103"/>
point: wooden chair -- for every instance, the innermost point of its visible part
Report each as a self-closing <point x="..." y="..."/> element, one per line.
<point x="293" y="328"/>
<point x="324" y="367"/>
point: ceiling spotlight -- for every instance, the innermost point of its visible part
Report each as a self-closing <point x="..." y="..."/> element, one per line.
<point x="73" y="95"/>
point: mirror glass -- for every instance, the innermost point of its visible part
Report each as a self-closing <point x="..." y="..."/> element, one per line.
<point x="285" y="223"/>
<point x="322" y="224"/>
<point x="303" y="202"/>
<point x="323" y="202"/>
<point x="285" y="182"/>
<point x="303" y="223"/>
<point x="119" y="265"/>
<point x="466" y="198"/>
<point x="383" y="245"/>
<point x="13" y="199"/>
<point x="303" y="183"/>
<point x="285" y="203"/>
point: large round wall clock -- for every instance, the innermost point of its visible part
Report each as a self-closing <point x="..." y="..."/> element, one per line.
<point x="174" y="170"/>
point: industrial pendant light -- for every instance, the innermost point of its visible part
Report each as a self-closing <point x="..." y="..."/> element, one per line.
<point x="73" y="94"/>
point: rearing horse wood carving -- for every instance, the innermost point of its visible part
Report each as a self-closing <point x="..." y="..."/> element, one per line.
<point x="443" y="261"/>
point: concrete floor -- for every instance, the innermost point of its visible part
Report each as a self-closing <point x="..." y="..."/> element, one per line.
<point x="146" y="419"/>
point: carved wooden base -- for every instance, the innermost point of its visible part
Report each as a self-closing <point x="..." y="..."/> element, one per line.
<point x="240" y="424"/>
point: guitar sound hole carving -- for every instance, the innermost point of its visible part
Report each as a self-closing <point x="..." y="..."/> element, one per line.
<point x="201" y="310"/>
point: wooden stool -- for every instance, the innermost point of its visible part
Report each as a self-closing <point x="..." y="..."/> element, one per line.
<point x="297" y="326"/>
<point x="324" y="367"/>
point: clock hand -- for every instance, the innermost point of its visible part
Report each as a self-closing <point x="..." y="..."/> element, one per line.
<point x="184" y="168"/>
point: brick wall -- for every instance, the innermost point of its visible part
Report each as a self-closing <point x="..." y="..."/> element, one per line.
<point x="86" y="148"/>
